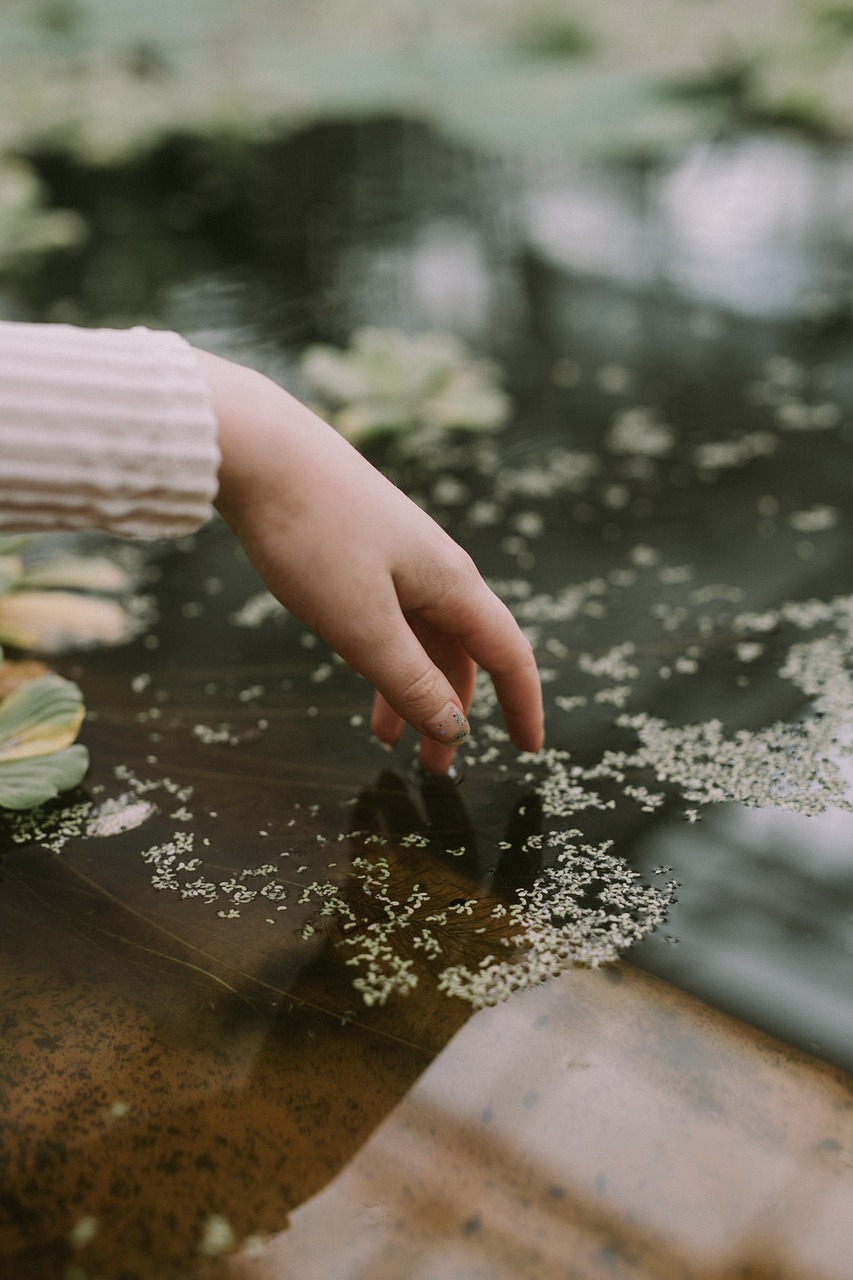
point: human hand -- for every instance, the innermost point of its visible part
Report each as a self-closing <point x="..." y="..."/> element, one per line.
<point x="366" y="569"/>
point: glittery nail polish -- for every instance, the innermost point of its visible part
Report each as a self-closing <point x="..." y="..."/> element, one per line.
<point x="450" y="726"/>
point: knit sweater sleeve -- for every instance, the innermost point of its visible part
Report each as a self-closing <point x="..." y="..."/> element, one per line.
<point x="103" y="428"/>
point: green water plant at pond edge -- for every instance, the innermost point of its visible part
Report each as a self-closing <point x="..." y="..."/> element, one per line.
<point x="51" y="598"/>
<point x="54" y="600"/>
<point x="39" y="721"/>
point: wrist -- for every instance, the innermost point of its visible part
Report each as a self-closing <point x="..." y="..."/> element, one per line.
<point x="247" y="408"/>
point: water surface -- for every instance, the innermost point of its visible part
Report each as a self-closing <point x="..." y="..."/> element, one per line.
<point x="188" y="1060"/>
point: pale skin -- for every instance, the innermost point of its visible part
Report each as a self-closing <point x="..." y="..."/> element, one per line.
<point x="366" y="569"/>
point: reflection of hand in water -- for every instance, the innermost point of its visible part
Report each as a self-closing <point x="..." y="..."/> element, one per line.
<point x="519" y="864"/>
<point x="437" y="809"/>
<point x="418" y="900"/>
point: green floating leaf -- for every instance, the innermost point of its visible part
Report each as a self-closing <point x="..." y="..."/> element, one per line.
<point x="39" y="718"/>
<point x="27" y="783"/>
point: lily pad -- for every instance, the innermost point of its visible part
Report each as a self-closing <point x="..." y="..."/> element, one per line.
<point x="13" y="674"/>
<point x="39" y="717"/>
<point x="39" y="721"/>
<point x="27" y="783"/>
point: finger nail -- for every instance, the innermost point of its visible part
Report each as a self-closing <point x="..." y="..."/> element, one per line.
<point x="450" y="726"/>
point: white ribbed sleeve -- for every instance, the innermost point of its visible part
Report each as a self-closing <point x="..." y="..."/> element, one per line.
<point x="103" y="428"/>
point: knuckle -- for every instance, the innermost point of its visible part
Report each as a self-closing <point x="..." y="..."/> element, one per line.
<point x="461" y="569"/>
<point x="419" y="696"/>
<point x="453" y="577"/>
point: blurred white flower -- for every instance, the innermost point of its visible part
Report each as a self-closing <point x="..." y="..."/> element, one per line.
<point x="391" y="381"/>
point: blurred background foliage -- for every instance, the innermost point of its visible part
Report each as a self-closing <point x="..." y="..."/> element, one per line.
<point x="103" y="79"/>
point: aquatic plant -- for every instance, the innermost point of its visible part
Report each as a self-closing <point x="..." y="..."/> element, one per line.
<point x="388" y="381"/>
<point x="50" y="600"/>
<point x="39" y="720"/>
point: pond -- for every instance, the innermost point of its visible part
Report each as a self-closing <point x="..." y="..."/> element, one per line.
<point x="255" y="972"/>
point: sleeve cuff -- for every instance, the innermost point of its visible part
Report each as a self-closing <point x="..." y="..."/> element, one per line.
<point x="104" y="428"/>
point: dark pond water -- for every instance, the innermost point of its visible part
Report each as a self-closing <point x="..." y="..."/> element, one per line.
<point x="674" y="484"/>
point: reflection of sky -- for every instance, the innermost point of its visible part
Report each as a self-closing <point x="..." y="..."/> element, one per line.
<point x="442" y="270"/>
<point x="765" y="918"/>
<point x="738" y="224"/>
<point x="759" y="226"/>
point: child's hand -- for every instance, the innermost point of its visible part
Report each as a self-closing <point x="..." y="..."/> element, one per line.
<point x="366" y="569"/>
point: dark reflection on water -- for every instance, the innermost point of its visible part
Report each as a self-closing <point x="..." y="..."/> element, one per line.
<point x="167" y="1062"/>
